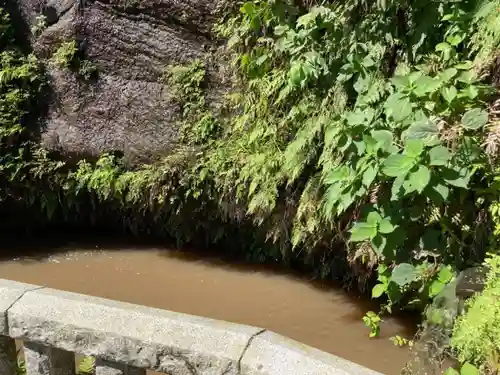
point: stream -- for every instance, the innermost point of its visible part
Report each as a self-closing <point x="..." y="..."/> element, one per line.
<point x="316" y="313"/>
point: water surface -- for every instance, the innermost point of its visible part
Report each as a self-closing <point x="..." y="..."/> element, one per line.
<point x="317" y="314"/>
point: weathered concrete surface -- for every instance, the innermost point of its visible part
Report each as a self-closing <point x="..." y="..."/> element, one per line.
<point x="10" y="292"/>
<point x="103" y="367"/>
<point x="135" y="335"/>
<point x="118" y="334"/>
<point x="272" y="354"/>
<point x="130" y="42"/>
<point x="43" y="360"/>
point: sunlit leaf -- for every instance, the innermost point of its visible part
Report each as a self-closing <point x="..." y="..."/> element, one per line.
<point x="363" y="231"/>
<point x="435" y="288"/>
<point x="414" y="147"/>
<point x="373" y="218"/>
<point x="442" y="190"/>
<point x="385" y="226"/>
<point x="449" y="93"/>
<point x="420" y="179"/>
<point x="384" y="138"/>
<point x="445" y="274"/>
<point x="369" y="175"/>
<point x="468" y="369"/>
<point x="378" y="290"/>
<point x="397" y="165"/>
<point x="426" y="85"/>
<point x="448" y="74"/>
<point x="474" y="119"/>
<point x="403" y="274"/>
<point x="424" y="129"/>
<point x="439" y="155"/>
<point x="398" y="107"/>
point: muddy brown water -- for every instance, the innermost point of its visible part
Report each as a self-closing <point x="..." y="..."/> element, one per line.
<point x="317" y="314"/>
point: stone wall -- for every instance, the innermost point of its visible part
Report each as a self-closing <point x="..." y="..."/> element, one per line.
<point x="126" y="106"/>
<point x="128" y="339"/>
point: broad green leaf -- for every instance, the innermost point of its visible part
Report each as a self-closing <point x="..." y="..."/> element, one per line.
<point x="356" y="118"/>
<point x="378" y="290"/>
<point x="370" y="143"/>
<point x="363" y="231"/>
<point x="383" y="137"/>
<point x="468" y="369"/>
<point x="449" y="93"/>
<point x="248" y="8"/>
<point x="403" y="112"/>
<point x="435" y="288"/>
<point x="426" y="85"/>
<point x="420" y="179"/>
<point x="338" y="174"/>
<point x="455" y="39"/>
<point x="296" y="74"/>
<point x="414" y="147"/>
<point x="464" y="65"/>
<point x="442" y="190"/>
<point x="445" y="274"/>
<point x="398" y="107"/>
<point x="466" y="77"/>
<point x="385" y="226"/>
<point x="400" y="81"/>
<point x="443" y="47"/>
<point x="424" y="129"/>
<point x="369" y="175"/>
<point x="448" y="74"/>
<point x="373" y="218"/>
<point x="396" y="187"/>
<point x="460" y="182"/>
<point x="345" y="202"/>
<point x="470" y="91"/>
<point x="397" y="165"/>
<point x="474" y="119"/>
<point x="403" y="274"/>
<point x="414" y="76"/>
<point x="439" y="155"/>
<point x="451" y="371"/>
<point x="360" y="146"/>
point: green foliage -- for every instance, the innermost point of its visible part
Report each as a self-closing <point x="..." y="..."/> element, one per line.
<point x="39" y="25"/>
<point x="466" y="369"/>
<point x="85" y="367"/>
<point x="358" y="130"/>
<point x="371" y="119"/>
<point x="476" y="335"/>
<point x="372" y="321"/>
<point x="187" y="84"/>
<point x="65" y="54"/>
<point x="68" y="56"/>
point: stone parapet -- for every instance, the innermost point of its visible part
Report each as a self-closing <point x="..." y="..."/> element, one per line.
<point x="129" y="339"/>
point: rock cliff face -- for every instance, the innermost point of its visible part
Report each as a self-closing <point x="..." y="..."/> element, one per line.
<point x="126" y="104"/>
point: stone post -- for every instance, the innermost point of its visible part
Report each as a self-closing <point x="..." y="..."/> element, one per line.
<point x="43" y="360"/>
<point x="8" y="356"/>
<point x="103" y="367"/>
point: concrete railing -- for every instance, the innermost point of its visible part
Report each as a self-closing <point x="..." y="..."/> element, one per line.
<point x="128" y="339"/>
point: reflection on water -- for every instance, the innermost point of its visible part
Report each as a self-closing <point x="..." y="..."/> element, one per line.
<point x="316" y="314"/>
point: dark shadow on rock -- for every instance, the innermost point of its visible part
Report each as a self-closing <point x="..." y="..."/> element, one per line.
<point x="21" y="28"/>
